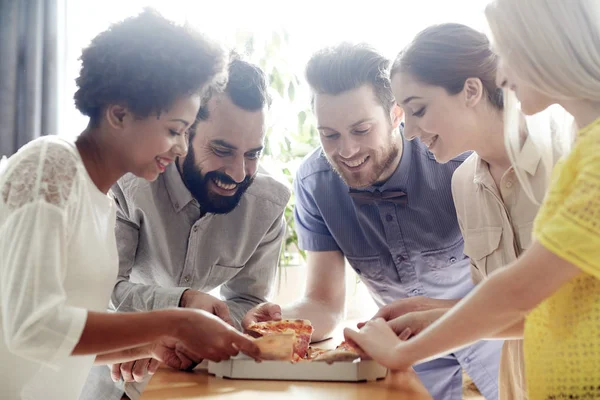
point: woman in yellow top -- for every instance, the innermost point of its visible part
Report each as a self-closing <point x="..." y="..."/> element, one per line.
<point x="550" y="54"/>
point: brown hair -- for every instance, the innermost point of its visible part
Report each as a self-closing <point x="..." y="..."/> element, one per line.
<point x="447" y="55"/>
<point x="347" y="66"/>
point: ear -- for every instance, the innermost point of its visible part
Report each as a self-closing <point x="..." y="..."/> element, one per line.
<point x="116" y="116"/>
<point x="397" y="114"/>
<point x="473" y="91"/>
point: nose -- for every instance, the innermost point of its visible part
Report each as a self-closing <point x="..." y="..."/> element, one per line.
<point x="349" y="148"/>
<point x="237" y="169"/>
<point x="180" y="148"/>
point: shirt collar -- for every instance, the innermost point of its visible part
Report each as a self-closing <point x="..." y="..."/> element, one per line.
<point x="528" y="160"/>
<point x="178" y="193"/>
<point x="529" y="157"/>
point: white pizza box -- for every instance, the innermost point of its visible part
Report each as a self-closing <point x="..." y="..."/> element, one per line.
<point x="243" y="367"/>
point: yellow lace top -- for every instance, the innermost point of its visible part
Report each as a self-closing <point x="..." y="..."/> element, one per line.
<point x="562" y="335"/>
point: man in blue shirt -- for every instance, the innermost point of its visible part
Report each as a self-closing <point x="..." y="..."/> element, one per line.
<point x="384" y="204"/>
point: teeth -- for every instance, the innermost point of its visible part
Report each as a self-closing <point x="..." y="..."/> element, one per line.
<point x="226" y="186"/>
<point x="162" y="161"/>
<point x="356" y="163"/>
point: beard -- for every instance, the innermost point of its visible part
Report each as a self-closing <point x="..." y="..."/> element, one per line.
<point x="198" y="185"/>
<point x="381" y="160"/>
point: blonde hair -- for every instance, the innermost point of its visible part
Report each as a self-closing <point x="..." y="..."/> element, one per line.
<point x="554" y="46"/>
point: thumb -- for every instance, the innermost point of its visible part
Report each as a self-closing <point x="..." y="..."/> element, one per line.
<point x="274" y="311"/>
<point x="399" y="325"/>
<point x="383" y="312"/>
<point x="222" y="311"/>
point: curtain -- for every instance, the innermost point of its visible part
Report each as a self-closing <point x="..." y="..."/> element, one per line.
<point x="31" y="66"/>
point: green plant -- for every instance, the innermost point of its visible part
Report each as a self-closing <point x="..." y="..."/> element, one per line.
<point x="291" y="133"/>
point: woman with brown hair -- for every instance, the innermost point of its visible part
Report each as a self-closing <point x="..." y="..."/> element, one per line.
<point x="445" y="80"/>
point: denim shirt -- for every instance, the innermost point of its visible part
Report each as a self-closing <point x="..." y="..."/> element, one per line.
<point x="399" y="250"/>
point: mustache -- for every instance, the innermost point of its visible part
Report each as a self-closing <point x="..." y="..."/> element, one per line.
<point x="226" y="179"/>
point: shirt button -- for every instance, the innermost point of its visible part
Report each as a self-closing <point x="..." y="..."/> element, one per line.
<point x="195" y="229"/>
<point x="389" y="218"/>
<point x="357" y="271"/>
<point x="452" y="260"/>
<point x="186" y="279"/>
<point x="509" y="184"/>
<point x="176" y="205"/>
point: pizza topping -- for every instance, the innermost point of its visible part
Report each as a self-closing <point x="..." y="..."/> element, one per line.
<point x="289" y="340"/>
<point x="300" y="327"/>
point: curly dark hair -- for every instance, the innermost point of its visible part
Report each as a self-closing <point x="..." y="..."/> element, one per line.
<point x="146" y="63"/>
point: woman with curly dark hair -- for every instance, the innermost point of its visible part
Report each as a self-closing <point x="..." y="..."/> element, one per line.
<point x="140" y="84"/>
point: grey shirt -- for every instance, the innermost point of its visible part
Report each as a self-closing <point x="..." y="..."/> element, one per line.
<point x="165" y="248"/>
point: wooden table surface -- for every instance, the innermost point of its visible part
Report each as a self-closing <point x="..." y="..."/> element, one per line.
<point x="172" y="384"/>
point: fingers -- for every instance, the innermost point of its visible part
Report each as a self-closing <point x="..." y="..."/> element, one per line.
<point x="153" y="366"/>
<point x="384" y="312"/>
<point x="246" y="346"/>
<point x="405" y="334"/>
<point x="222" y="311"/>
<point x="140" y="369"/>
<point x="273" y="311"/>
<point x="127" y="371"/>
<point x="352" y="336"/>
<point x="115" y="372"/>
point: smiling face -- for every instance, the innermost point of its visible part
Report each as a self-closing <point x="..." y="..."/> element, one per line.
<point x="224" y="154"/>
<point x="153" y="142"/>
<point x="358" y="135"/>
<point x="446" y="124"/>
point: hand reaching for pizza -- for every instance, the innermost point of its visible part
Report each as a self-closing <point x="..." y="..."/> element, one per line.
<point x="262" y="313"/>
<point x="377" y="340"/>
<point x="401" y="307"/>
<point x="206" y="302"/>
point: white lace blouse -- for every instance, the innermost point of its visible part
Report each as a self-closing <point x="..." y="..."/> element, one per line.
<point x="58" y="259"/>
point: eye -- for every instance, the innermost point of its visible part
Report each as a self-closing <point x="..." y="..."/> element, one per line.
<point x="330" y="136"/>
<point x="362" y="131"/>
<point x="174" y="132"/>
<point x="420" y="112"/>
<point x="221" y="153"/>
<point x="253" y="156"/>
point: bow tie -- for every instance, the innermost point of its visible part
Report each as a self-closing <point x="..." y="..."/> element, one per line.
<point x="364" y="197"/>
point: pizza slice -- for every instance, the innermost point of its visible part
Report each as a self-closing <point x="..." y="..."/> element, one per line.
<point x="337" y="355"/>
<point x="300" y="327"/>
<point x="276" y="346"/>
<point x="347" y="346"/>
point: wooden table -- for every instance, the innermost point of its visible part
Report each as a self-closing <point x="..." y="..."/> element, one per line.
<point x="172" y="384"/>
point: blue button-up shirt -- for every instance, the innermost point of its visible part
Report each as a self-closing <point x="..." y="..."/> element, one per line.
<point x="399" y="250"/>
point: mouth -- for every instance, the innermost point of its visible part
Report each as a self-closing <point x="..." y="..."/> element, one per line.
<point x="162" y="163"/>
<point x="224" y="189"/>
<point x="430" y="142"/>
<point x="356" y="164"/>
